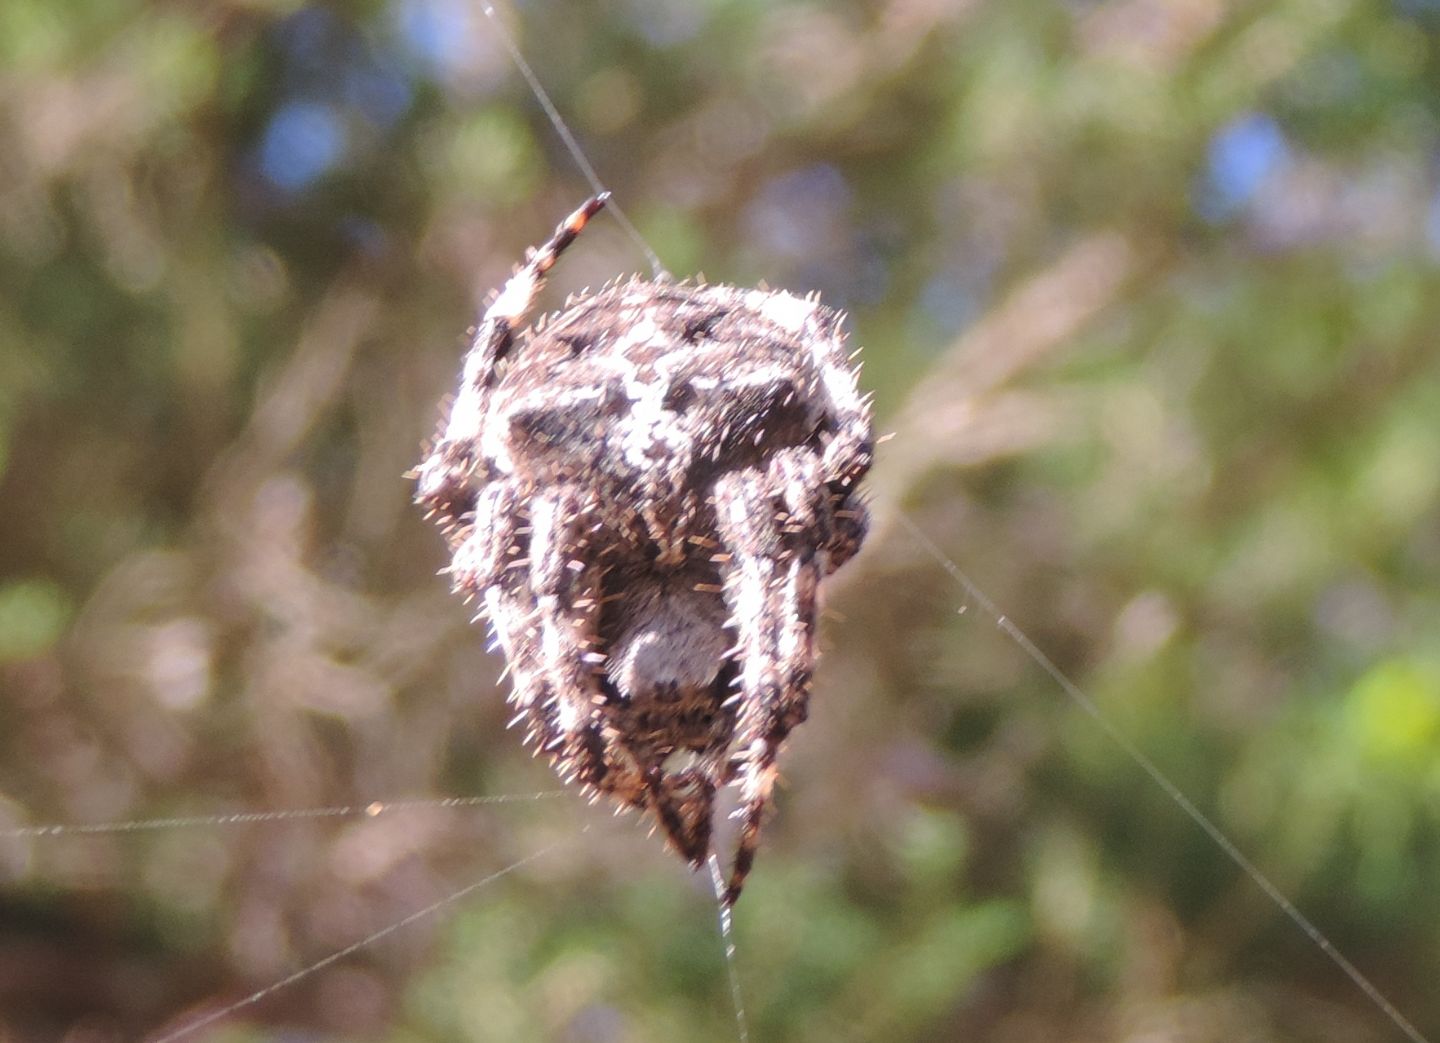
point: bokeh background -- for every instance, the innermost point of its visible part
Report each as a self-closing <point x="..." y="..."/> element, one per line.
<point x="1149" y="292"/>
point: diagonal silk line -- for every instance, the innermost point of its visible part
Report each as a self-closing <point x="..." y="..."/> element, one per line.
<point x="419" y="914"/>
<point x="1150" y="768"/>
<point x="563" y="130"/>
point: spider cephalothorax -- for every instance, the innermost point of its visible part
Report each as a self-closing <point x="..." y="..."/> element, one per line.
<point x="646" y="490"/>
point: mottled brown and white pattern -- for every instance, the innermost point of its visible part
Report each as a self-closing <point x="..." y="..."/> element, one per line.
<point x="645" y="492"/>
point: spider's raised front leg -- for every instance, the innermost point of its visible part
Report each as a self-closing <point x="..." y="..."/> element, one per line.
<point x="771" y="579"/>
<point x="445" y="476"/>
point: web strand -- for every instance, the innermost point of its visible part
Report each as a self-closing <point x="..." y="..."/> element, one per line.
<point x="727" y="939"/>
<point x="563" y="130"/>
<point x="1171" y="790"/>
<point x="340" y="954"/>
<point x="245" y="818"/>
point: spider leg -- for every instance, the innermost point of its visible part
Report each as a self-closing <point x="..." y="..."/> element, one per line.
<point x="576" y="747"/>
<point x="512" y="613"/>
<point x="446" y="471"/>
<point x="491" y="557"/>
<point x="851" y="448"/>
<point x="771" y="581"/>
<point x="486" y="549"/>
<point x="851" y="522"/>
<point x="566" y="588"/>
<point x="815" y="514"/>
<point x="683" y="803"/>
<point x="567" y="594"/>
<point x="490" y="560"/>
<point x="567" y="585"/>
<point x="545" y="612"/>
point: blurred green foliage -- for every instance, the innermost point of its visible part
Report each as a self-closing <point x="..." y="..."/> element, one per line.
<point x="1148" y="296"/>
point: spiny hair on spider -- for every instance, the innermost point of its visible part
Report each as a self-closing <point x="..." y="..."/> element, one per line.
<point x="645" y="491"/>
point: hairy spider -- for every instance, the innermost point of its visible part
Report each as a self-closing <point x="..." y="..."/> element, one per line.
<point x="646" y="490"/>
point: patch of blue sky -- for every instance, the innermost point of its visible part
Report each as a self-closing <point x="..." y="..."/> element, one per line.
<point x="1243" y="156"/>
<point x="437" y="32"/>
<point x="379" y="90"/>
<point x="302" y="143"/>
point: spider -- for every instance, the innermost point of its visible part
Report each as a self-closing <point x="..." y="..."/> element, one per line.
<point x="645" y="491"/>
